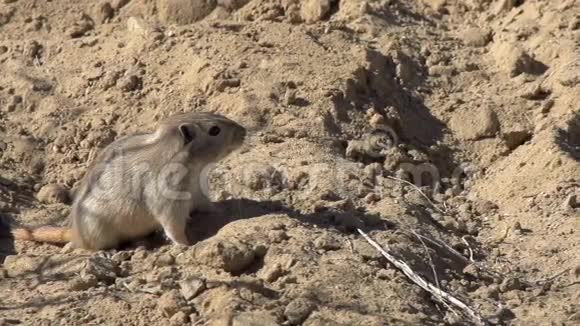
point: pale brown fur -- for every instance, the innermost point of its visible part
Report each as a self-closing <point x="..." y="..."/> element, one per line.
<point x="125" y="193"/>
<point x="49" y="234"/>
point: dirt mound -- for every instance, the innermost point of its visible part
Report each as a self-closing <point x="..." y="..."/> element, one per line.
<point x="447" y="130"/>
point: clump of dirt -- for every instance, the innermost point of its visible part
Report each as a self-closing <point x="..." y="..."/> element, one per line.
<point x="447" y="130"/>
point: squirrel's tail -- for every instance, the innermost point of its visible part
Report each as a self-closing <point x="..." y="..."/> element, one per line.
<point x="48" y="234"/>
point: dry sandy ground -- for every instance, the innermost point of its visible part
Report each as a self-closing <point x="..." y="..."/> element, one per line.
<point x="340" y="98"/>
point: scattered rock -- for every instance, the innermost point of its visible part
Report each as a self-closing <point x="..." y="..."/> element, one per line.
<point x="110" y="79"/>
<point x="290" y="96"/>
<point x="298" y="310"/>
<point x="314" y="10"/>
<point x="138" y="27"/>
<point x="501" y="316"/>
<point x="130" y="83"/>
<point x="570" y="203"/>
<point x="277" y="236"/>
<point x="164" y="260"/>
<point x="67" y="248"/>
<point x="6" y="15"/>
<point x="121" y="256"/>
<point x="319" y="61"/>
<point x="93" y="73"/>
<point x="257" y="318"/>
<point x="232" y="4"/>
<point x="483" y="207"/>
<point x="293" y="13"/>
<point x="140" y="254"/>
<point x="453" y="224"/>
<point x="375" y="145"/>
<point x="16" y="265"/>
<point x="41" y="85"/>
<point x="191" y="288"/>
<point x="386" y="274"/>
<point x="178" y="319"/>
<point x="104" y="12"/>
<point x="394" y="156"/>
<point x="261" y="176"/>
<point x="276" y="266"/>
<point x="32" y="49"/>
<point x="476" y="37"/>
<point x="510" y="284"/>
<point x="223" y="83"/>
<point x="372" y="198"/>
<point x="517" y="228"/>
<point x="170" y="303"/>
<point x="534" y="91"/>
<point x="272" y="272"/>
<point x="442" y="70"/>
<point x="184" y="12"/>
<point x="471" y="270"/>
<point x="103" y="269"/>
<point x="83" y="25"/>
<point x="488" y="292"/>
<point x="476" y="125"/>
<point x="515" y="135"/>
<point x="436" y="5"/>
<point x="350" y="10"/>
<point x="53" y="194"/>
<point x="132" y="284"/>
<point x="232" y="257"/>
<point x="160" y="275"/>
<point x="569" y="75"/>
<point x="377" y="120"/>
<point x="36" y="23"/>
<point x="84" y="283"/>
<point x="512" y="60"/>
<point x="327" y="242"/>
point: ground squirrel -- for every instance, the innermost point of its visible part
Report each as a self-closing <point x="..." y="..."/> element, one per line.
<point x="142" y="182"/>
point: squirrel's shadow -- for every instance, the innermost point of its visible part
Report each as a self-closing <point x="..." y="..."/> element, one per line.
<point x="204" y="225"/>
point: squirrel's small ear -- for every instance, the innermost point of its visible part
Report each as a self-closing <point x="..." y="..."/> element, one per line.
<point x="187" y="133"/>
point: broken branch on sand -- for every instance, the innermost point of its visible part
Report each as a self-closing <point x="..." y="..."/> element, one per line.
<point x="440" y="295"/>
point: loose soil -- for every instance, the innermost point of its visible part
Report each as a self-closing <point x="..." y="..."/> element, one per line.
<point x="343" y="99"/>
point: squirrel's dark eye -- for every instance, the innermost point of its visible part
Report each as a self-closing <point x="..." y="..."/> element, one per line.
<point x="214" y="131"/>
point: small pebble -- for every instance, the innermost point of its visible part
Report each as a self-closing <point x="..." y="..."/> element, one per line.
<point x="327" y="242"/>
<point x="191" y="288"/>
<point x="170" y="303"/>
<point x="298" y="310"/>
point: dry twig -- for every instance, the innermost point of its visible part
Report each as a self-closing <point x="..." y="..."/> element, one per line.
<point x="468" y="248"/>
<point x="430" y="260"/>
<point x="438" y="294"/>
<point x="462" y="258"/>
<point x="550" y="279"/>
<point x="419" y="190"/>
<point x="351" y="246"/>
